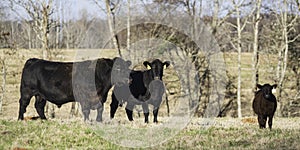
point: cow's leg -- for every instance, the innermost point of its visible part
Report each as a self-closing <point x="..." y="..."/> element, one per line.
<point x="24" y="102"/>
<point x="40" y="106"/>
<point x="113" y="105"/>
<point x="270" y="121"/>
<point x="155" y="113"/>
<point x="100" y="112"/>
<point x="155" y="110"/>
<point x="129" y="108"/>
<point x="146" y="111"/>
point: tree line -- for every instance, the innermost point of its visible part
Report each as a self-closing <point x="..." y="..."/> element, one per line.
<point x="257" y="27"/>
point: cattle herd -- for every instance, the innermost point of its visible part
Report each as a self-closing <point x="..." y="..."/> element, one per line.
<point x="88" y="82"/>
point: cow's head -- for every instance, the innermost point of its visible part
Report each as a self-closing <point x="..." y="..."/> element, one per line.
<point x="266" y="89"/>
<point x="120" y="71"/>
<point x="156" y="67"/>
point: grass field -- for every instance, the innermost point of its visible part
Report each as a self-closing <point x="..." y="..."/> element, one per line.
<point x="65" y="132"/>
<point x="222" y="133"/>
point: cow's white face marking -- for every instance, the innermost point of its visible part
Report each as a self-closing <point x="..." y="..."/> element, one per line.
<point x="273" y="90"/>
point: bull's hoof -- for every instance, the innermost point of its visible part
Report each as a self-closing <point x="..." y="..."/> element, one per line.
<point x="99" y="119"/>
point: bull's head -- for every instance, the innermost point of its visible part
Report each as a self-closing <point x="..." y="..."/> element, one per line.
<point x="156" y="67"/>
<point x="266" y="89"/>
<point x="120" y="71"/>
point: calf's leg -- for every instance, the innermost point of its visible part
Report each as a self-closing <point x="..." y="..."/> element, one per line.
<point x="270" y="121"/>
<point x="40" y="106"/>
<point x="262" y="121"/>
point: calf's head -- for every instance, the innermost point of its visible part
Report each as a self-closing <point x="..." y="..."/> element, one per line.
<point x="120" y="71"/>
<point x="156" y="67"/>
<point x="266" y="89"/>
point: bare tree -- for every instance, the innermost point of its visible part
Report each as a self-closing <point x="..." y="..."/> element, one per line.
<point x="128" y="27"/>
<point x="3" y="40"/>
<point x="255" y="56"/>
<point x="285" y="18"/>
<point x="40" y="13"/>
<point x="237" y="44"/>
<point x="110" y="8"/>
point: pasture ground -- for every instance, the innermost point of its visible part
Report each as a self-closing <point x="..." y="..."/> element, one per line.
<point x="223" y="133"/>
<point x="65" y="132"/>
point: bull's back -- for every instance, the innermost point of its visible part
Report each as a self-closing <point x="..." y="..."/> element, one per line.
<point x="51" y="80"/>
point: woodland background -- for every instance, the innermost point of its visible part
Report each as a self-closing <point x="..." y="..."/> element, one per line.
<point x="260" y="42"/>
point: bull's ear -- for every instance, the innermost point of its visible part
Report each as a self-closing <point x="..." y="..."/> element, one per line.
<point x="259" y="86"/>
<point x="147" y="64"/>
<point x="115" y="58"/>
<point x="274" y="86"/>
<point x="166" y="64"/>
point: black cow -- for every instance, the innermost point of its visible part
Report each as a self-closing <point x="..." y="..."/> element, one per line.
<point x="146" y="87"/>
<point x="264" y="104"/>
<point x="87" y="82"/>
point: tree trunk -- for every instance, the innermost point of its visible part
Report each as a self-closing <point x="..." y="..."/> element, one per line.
<point x="3" y="84"/>
<point x="239" y="48"/>
<point x="255" y="55"/>
<point x="110" y="25"/>
<point x="282" y="57"/>
<point x="128" y="28"/>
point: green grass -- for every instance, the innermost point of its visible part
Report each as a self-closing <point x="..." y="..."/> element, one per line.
<point x="55" y="134"/>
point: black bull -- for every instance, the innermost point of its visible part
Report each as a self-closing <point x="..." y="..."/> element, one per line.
<point x="86" y="82"/>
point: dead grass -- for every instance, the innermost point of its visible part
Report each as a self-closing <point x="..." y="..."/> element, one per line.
<point x="65" y="132"/>
<point x="218" y="133"/>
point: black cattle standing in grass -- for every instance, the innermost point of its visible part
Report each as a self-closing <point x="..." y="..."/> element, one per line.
<point x="264" y="104"/>
<point x="146" y="87"/>
<point x="87" y="82"/>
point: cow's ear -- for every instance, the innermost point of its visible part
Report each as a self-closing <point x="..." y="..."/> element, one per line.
<point x="128" y="62"/>
<point x="259" y="86"/>
<point x="147" y="64"/>
<point x="274" y="86"/>
<point x="166" y="64"/>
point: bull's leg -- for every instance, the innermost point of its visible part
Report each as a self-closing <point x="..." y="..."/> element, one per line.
<point x="85" y="110"/>
<point x="100" y="112"/>
<point x="40" y="106"/>
<point x="24" y="102"/>
<point x="129" y="110"/>
<point x="146" y="111"/>
<point x="262" y="121"/>
<point x="270" y="121"/>
<point x="113" y="105"/>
